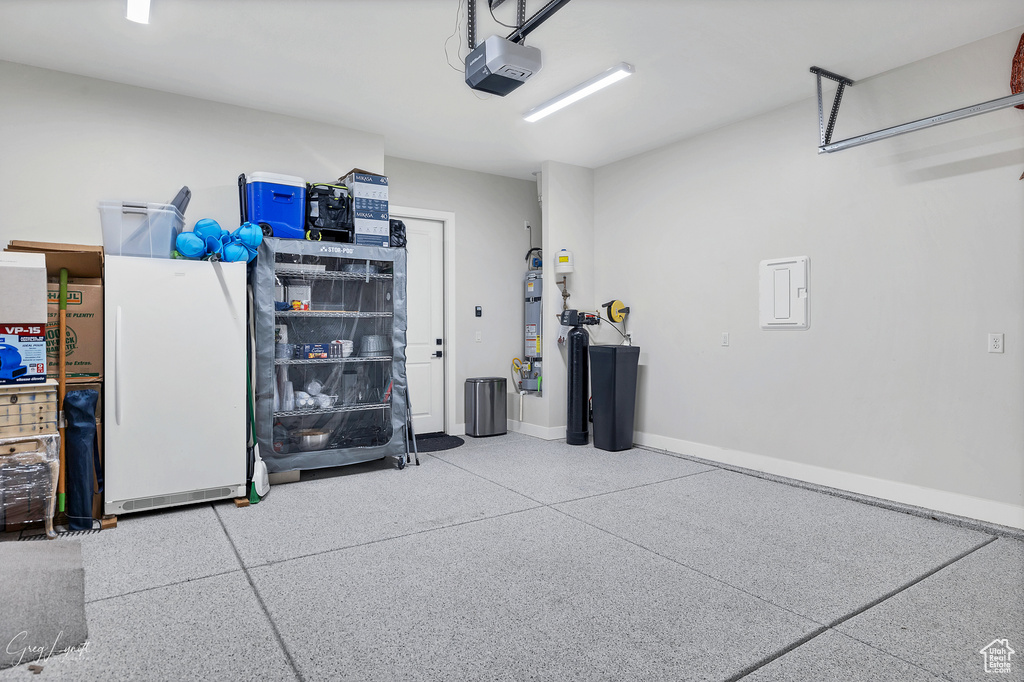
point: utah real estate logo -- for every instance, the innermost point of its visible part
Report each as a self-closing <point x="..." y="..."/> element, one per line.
<point x="997" y="656"/>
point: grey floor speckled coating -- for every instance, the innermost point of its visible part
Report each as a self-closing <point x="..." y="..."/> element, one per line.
<point x="550" y="471"/>
<point x="202" y="629"/>
<point x="155" y="549"/>
<point x="834" y="657"/>
<point x="378" y="503"/>
<point x="976" y="600"/>
<point x="821" y="556"/>
<point x="571" y="596"/>
<point x="513" y="558"/>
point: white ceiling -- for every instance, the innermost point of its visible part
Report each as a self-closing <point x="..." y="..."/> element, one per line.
<point x="380" y="65"/>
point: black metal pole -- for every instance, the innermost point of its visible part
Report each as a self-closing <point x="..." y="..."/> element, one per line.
<point x="531" y="24"/>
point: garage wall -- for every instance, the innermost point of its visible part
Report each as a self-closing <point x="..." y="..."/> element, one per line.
<point x="67" y="142"/>
<point x="490" y="251"/>
<point x="568" y="209"/>
<point x="916" y="253"/>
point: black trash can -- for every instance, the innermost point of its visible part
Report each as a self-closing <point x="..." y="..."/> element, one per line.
<point x="486" y="404"/>
<point x="613" y="382"/>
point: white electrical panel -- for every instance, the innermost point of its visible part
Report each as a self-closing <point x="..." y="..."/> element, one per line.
<point x="784" y="300"/>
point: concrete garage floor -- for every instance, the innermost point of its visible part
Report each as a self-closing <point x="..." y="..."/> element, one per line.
<point x="512" y="558"/>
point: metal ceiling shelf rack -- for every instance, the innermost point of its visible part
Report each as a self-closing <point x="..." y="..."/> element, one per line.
<point x="828" y="146"/>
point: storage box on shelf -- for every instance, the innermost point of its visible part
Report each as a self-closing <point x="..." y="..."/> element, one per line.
<point x="370" y="212"/>
<point x="145" y="230"/>
<point x="330" y="384"/>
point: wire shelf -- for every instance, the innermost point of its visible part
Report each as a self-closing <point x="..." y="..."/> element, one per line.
<point x="333" y="274"/>
<point x="331" y="361"/>
<point x="332" y="410"/>
<point x="331" y="313"/>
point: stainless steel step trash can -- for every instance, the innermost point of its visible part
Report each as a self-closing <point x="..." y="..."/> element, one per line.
<point x="485" y="406"/>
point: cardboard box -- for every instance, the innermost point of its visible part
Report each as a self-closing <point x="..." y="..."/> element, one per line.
<point x="313" y="351"/>
<point x="370" y="214"/>
<point x="22" y="277"/>
<point x="22" y="354"/>
<point x="27" y="411"/>
<point x="84" y="336"/>
<point x="369" y="191"/>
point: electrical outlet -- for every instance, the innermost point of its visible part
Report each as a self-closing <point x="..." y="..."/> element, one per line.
<point x="479" y="337"/>
<point x="995" y="343"/>
<point x="725" y="338"/>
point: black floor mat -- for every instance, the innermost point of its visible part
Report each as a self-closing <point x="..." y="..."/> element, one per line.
<point x="436" y="442"/>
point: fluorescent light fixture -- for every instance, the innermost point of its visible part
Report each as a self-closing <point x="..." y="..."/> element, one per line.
<point x="138" y="11"/>
<point x="603" y="80"/>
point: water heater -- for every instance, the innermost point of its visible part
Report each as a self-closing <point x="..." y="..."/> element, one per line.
<point x="533" y="288"/>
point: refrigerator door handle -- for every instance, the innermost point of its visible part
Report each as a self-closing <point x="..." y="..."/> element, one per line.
<point x="117" y="366"/>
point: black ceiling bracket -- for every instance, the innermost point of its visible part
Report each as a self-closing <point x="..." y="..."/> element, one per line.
<point x="524" y="26"/>
<point x="843" y="81"/>
<point x="471" y="24"/>
<point x="542" y="15"/>
<point x="828" y="146"/>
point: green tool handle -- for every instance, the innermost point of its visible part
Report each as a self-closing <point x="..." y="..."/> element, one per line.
<point x="60" y="358"/>
<point x="63" y="288"/>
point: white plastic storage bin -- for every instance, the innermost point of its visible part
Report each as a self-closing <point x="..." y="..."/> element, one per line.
<point x="137" y="229"/>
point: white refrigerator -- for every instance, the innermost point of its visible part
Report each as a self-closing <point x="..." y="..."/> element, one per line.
<point x="175" y="370"/>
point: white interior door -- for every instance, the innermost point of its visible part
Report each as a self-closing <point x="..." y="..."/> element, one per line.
<point x="425" y="349"/>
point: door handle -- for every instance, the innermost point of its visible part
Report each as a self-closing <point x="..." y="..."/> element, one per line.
<point x="436" y="354"/>
<point x="118" y="349"/>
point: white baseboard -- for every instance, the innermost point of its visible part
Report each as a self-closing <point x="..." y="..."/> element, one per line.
<point x="903" y="493"/>
<point x="544" y="432"/>
<point x="458" y="430"/>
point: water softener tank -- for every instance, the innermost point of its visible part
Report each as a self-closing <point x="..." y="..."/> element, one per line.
<point x="576" y="432"/>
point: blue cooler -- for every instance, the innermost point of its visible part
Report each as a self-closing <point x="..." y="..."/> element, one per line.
<point x="279" y="201"/>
